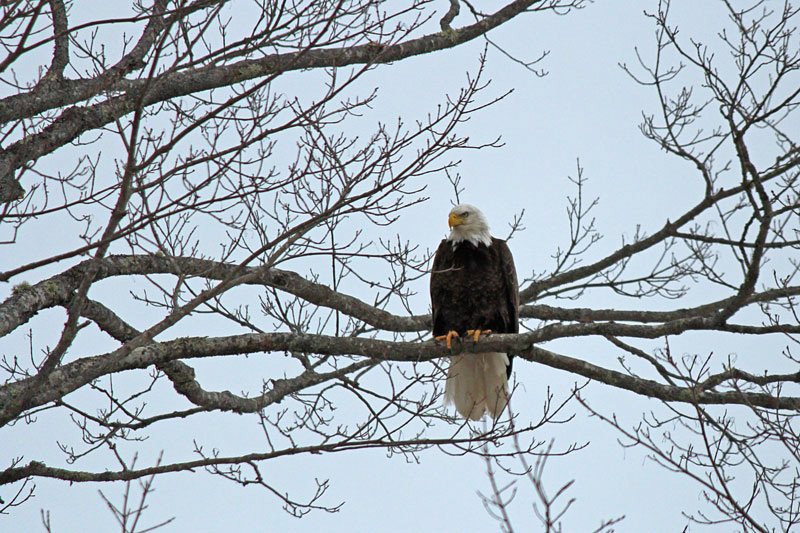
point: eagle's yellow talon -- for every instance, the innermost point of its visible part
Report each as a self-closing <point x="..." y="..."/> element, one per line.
<point x="476" y="333"/>
<point x="449" y="338"/>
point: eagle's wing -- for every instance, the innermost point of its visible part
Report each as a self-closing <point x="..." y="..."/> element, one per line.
<point x="509" y="273"/>
<point x="438" y="266"/>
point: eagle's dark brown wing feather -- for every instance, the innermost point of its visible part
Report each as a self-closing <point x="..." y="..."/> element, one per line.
<point x="439" y="265"/>
<point x="512" y="287"/>
<point x="474" y="287"/>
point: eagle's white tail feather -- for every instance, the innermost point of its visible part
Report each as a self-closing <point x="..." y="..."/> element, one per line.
<point x="477" y="383"/>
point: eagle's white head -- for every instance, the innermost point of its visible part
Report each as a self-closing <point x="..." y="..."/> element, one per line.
<point x="467" y="223"/>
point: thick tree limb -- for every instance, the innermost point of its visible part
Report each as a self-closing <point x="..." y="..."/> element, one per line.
<point x="75" y="121"/>
<point x="57" y="291"/>
<point x="71" y="376"/>
<point x="61" y="39"/>
<point x="176" y="84"/>
<point x="183" y="375"/>
<point x="38" y="469"/>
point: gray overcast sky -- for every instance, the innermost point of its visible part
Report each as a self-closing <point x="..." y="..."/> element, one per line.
<point x="585" y="109"/>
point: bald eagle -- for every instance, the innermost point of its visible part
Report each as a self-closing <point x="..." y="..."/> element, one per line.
<point x="473" y="292"/>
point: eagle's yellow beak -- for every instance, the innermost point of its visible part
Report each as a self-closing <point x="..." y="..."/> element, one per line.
<point x="454" y="220"/>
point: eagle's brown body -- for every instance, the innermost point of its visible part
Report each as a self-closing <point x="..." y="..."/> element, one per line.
<point x="474" y="287"/>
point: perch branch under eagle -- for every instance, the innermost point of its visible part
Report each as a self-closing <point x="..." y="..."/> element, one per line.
<point x="474" y="292"/>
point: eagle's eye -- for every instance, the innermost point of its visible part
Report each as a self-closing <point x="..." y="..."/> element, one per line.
<point x="465" y="214"/>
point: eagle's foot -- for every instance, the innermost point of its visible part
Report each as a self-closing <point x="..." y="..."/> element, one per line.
<point x="476" y="333"/>
<point x="449" y="338"/>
